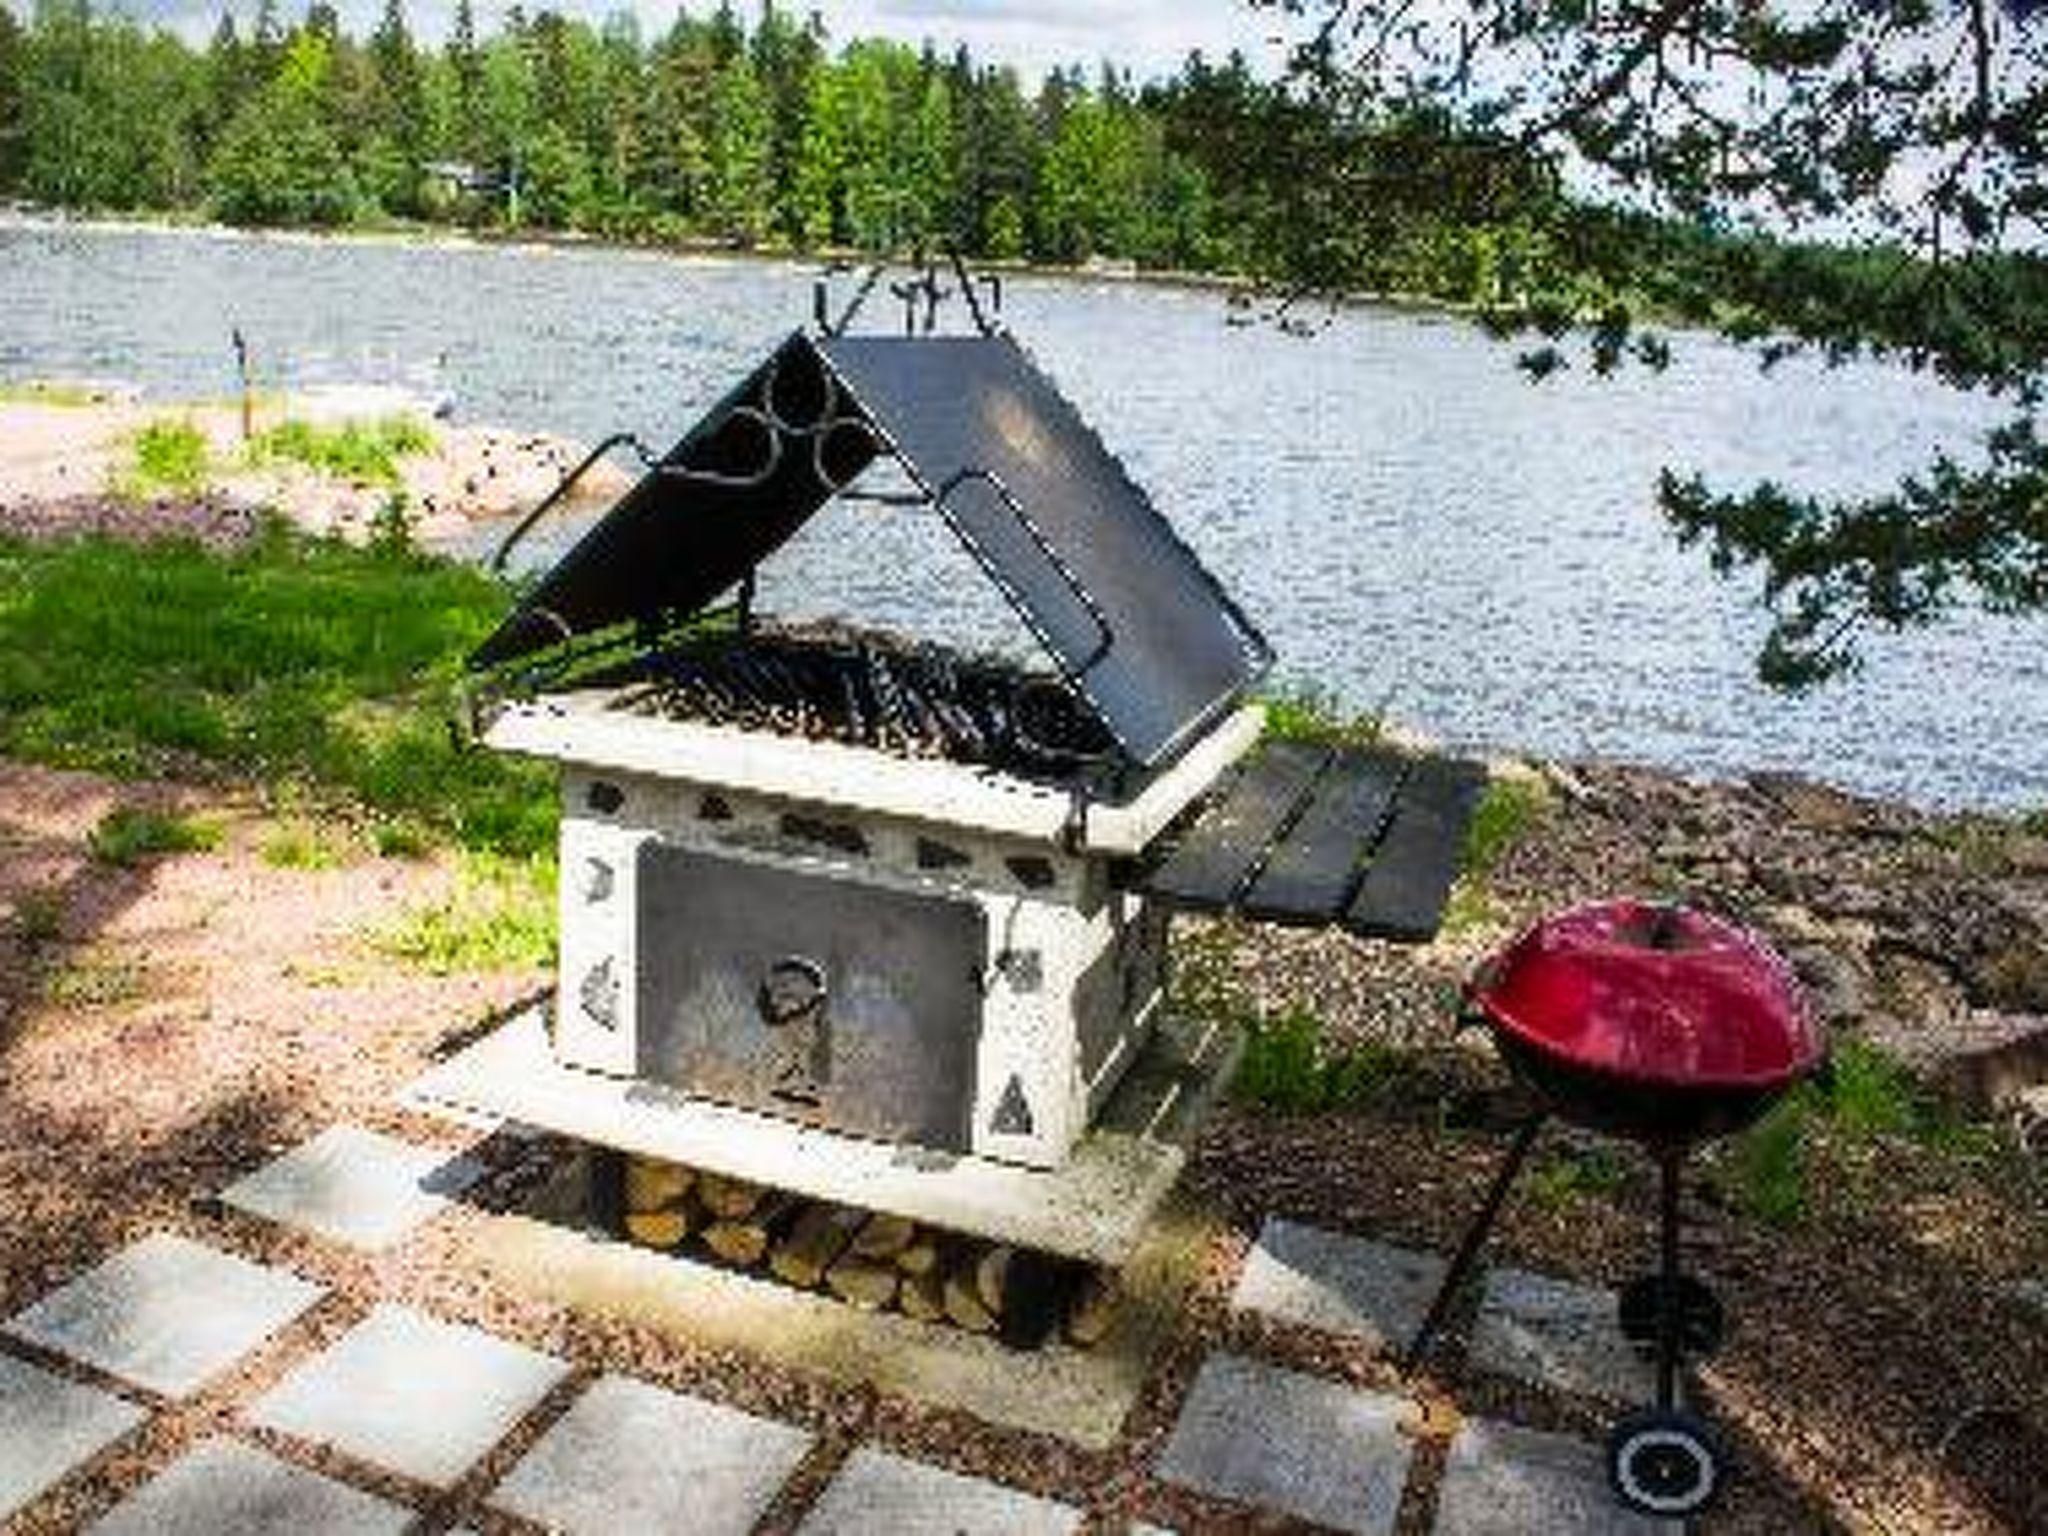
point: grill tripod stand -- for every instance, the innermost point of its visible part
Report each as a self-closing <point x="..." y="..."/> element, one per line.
<point x="1661" y="1460"/>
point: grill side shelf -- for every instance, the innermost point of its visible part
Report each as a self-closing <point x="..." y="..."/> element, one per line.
<point x="1314" y="870"/>
<point x="1233" y="834"/>
<point x="1404" y="890"/>
<point x="1307" y="836"/>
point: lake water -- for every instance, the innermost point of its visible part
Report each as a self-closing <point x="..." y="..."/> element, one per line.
<point x="1416" y="528"/>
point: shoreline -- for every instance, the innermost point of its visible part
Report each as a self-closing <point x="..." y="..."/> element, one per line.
<point x="542" y="242"/>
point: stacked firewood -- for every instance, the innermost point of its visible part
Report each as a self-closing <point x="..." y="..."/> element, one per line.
<point x="870" y="1259"/>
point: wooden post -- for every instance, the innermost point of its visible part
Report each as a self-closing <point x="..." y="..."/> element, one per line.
<point x="242" y="372"/>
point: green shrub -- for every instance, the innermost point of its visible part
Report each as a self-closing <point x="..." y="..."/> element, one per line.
<point x="366" y="452"/>
<point x="126" y="836"/>
<point x="1766" y="1165"/>
<point x="165" y="456"/>
<point x="94" y="981"/>
<point x="1508" y="810"/>
<point x="1564" y="1174"/>
<point x="51" y="392"/>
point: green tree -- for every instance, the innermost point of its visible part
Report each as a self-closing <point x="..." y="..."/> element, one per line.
<point x="466" y="66"/>
<point x="786" y="58"/>
<point x="816" y="181"/>
<point x="266" y="42"/>
<point x="105" y="111"/>
<point x="674" y="133"/>
<point x="930" y="201"/>
<point x="278" y="161"/>
<point x="1908" y="137"/>
<point x="509" y="115"/>
<point x="740" y="190"/>
<point x="555" y="177"/>
<point x="996" y="158"/>
<point x="1093" y="192"/>
<point x="13" y="52"/>
<point x="399" y="136"/>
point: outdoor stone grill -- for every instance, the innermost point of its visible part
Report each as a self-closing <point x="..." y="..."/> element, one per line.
<point x="877" y="922"/>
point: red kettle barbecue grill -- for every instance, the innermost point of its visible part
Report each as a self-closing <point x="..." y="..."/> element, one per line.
<point x="1666" y="1026"/>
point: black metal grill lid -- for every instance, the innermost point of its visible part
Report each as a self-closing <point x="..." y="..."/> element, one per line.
<point x="1143" y="633"/>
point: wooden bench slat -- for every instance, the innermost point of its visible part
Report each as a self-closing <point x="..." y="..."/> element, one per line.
<point x="1405" y="887"/>
<point x="1314" y="870"/>
<point x="1219" y="854"/>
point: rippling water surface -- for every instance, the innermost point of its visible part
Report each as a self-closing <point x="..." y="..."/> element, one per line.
<point x="1416" y="528"/>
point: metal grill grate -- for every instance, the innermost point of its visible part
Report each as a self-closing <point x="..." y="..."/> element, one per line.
<point x="872" y="689"/>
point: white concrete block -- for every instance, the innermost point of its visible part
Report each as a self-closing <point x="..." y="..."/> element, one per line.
<point x="354" y="1186"/>
<point x="1350" y="1285"/>
<point x="412" y="1394"/>
<point x="632" y="1457"/>
<point x="879" y="1494"/>
<point x="166" y="1312"/>
<point x="48" y="1426"/>
<point x="1504" y="1480"/>
<point x="222" y="1487"/>
<point x="1278" y="1440"/>
<point x="1558" y="1335"/>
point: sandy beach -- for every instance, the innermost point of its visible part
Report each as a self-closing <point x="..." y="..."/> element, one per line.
<point x="66" y="443"/>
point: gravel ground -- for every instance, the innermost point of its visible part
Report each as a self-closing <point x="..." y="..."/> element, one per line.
<point x="165" y="1028"/>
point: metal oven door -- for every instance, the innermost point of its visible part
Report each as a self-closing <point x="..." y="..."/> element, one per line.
<point x="810" y="993"/>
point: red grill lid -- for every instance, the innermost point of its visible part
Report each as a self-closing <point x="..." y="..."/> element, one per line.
<point x="1652" y="994"/>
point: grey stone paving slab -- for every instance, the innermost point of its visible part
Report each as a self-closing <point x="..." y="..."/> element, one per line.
<point x="1330" y="1280"/>
<point x="1503" y="1480"/>
<point x="879" y="1494"/>
<point x="222" y="1486"/>
<point x="355" y="1186"/>
<point x="1559" y="1335"/>
<point x="165" y="1312"/>
<point x="1277" y="1439"/>
<point x="716" y="1470"/>
<point x="48" y="1426"/>
<point x="410" y="1393"/>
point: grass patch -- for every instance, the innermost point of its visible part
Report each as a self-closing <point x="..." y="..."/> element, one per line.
<point x="289" y="660"/>
<point x="1509" y="809"/>
<point x="1564" y="1174"/>
<point x="400" y="838"/>
<point x="1308" y="713"/>
<point x="93" y="981"/>
<point x="366" y="452"/>
<point x="1288" y="1066"/>
<point x="50" y="392"/>
<point x="302" y="844"/>
<point x="1823" y="1132"/>
<point x="126" y="836"/>
<point x="39" y="916"/>
<point x="165" y="457"/>
<point x="1507" y="812"/>
<point x="500" y="915"/>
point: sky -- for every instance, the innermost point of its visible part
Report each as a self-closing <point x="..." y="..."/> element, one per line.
<point x="1148" y="37"/>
